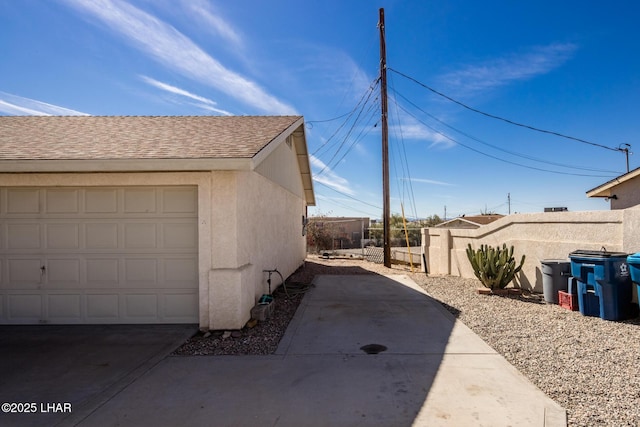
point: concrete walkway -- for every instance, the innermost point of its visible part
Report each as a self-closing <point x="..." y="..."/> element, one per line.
<point x="430" y="370"/>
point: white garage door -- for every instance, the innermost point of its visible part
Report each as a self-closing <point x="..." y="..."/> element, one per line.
<point x="99" y="255"/>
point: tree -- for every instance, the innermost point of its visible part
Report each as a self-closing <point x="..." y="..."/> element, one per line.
<point x="430" y="221"/>
<point x="320" y="233"/>
<point x="398" y="238"/>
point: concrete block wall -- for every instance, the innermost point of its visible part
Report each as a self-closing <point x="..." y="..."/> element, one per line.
<point x="539" y="236"/>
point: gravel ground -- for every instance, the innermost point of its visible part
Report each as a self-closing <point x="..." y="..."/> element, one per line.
<point x="588" y="365"/>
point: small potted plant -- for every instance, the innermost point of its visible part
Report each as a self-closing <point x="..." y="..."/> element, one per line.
<point x="494" y="267"/>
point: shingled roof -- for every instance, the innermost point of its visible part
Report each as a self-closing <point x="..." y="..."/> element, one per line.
<point x="52" y="144"/>
<point x="136" y="137"/>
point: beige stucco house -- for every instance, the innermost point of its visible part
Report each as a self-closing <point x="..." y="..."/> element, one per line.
<point x="622" y="192"/>
<point x="148" y="219"/>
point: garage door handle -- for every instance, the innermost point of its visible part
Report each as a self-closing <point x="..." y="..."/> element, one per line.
<point x="43" y="270"/>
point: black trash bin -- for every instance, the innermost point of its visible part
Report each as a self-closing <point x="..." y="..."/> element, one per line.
<point x="555" y="273"/>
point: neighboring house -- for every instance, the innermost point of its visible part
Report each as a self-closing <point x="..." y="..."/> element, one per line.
<point x="473" y="221"/>
<point x="345" y="232"/>
<point x="622" y="192"/>
<point x="148" y="219"/>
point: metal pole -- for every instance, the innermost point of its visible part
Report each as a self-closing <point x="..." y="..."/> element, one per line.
<point x="406" y="235"/>
<point x="386" y="210"/>
<point x="626" y="152"/>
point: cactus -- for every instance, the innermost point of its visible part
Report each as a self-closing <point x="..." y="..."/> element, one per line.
<point x="494" y="267"/>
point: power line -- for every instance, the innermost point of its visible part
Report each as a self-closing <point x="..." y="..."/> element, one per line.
<point x="357" y="120"/>
<point x="311" y="122"/>
<point x="347" y="195"/>
<point x="494" y="157"/>
<point x="502" y="118"/>
<point x="334" y="201"/>
<point x="513" y="153"/>
<point x="405" y="162"/>
<point x="364" y="98"/>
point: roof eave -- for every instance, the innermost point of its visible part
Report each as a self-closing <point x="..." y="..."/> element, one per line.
<point x="123" y="165"/>
<point x="604" y="190"/>
<point x="295" y="131"/>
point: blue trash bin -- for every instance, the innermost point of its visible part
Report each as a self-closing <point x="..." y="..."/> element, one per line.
<point x="604" y="283"/>
<point x="634" y="268"/>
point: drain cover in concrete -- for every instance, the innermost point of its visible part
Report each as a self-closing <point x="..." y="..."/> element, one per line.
<point x="373" y="348"/>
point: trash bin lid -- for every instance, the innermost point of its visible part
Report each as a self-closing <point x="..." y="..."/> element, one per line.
<point x="635" y="258"/>
<point x="557" y="261"/>
<point x="596" y="254"/>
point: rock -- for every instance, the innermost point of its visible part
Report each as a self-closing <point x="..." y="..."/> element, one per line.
<point x="236" y="334"/>
<point x="226" y="334"/>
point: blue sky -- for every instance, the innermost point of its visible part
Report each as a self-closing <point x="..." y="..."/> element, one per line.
<point x="570" y="67"/>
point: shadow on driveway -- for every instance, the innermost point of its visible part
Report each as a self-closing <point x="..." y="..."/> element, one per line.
<point x="433" y="371"/>
<point x="83" y="365"/>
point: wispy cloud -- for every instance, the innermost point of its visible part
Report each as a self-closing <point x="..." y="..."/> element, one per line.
<point x="411" y="129"/>
<point x="428" y="181"/>
<point x="175" y="51"/>
<point x="328" y="177"/>
<point x="19" y="106"/>
<point x="336" y="72"/>
<point x="204" y="103"/>
<point x="473" y="79"/>
<point x="204" y="12"/>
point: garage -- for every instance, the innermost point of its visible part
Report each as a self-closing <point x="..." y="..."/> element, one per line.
<point x="145" y="219"/>
<point x="99" y="255"/>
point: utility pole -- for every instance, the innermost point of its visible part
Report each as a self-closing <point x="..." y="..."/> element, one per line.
<point x="386" y="210"/>
<point x="509" y="202"/>
<point x="445" y="212"/>
<point x="626" y="153"/>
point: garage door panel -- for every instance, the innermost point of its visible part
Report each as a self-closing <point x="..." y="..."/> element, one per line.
<point x="180" y="307"/>
<point x="179" y="200"/>
<point x="140" y="236"/>
<point x="140" y="200"/>
<point x="64" y="273"/>
<point x="102" y="272"/>
<point x="25" y="307"/>
<point x="101" y="201"/>
<point x="101" y="236"/>
<point x="23" y="236"/>
<point x="181" y="272"/>
<point x="62" y="201"/>
<point x="25" y="273"/>
<point x="63" y="236"/>
<point x="64" y="308"/>
<point x="102" y="307"/>
<point x="180" y="236"/>
<point x="23" y="201"/>
<point x="141" y="305"/>
<point x="140" y="272"/>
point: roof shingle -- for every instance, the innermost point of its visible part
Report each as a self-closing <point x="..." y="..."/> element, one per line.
<point x="137" y="137"/>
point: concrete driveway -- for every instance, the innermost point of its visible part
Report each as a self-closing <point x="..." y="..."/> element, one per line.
<point x="62" y="373"/>
<point x="362" y="350"/>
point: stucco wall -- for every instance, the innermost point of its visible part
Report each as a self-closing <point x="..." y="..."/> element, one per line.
<point x="627" y="194"/>
<point x="539" y="236"/>
<point x="281" y="167"/>
<point x="246" y="223"/>
<point x="256" y="225"/>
